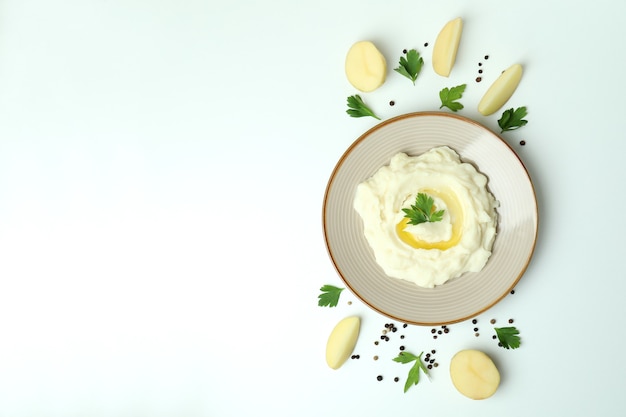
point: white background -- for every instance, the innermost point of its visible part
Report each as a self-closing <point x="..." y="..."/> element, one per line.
<point x="162" y="170"/>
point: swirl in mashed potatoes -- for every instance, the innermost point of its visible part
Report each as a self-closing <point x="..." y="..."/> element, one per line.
<point x="431" y="253"/>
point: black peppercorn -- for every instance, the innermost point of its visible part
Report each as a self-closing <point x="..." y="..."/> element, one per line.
<point x="379" y="377"/>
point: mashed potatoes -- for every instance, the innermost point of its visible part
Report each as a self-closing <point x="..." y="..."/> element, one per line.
<point x="430" y="253"/>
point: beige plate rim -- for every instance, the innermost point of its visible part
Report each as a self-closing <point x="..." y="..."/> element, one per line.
<point x="337" y="261"/>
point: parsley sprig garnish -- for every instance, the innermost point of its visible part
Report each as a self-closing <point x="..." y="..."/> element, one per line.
<point x="357" y="108"/>
<point x="423" y="210"/>
<point x="512" y="119"/>
<point x="449" y="97"/>
<point x="414" y="373"/>
<point x="508" y="337"/>
<point x="329" y="296"/>
<point x="410" y="66"/>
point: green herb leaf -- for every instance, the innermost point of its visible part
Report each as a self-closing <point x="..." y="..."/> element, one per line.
<point x="449" y="96"/>
<point x="512" y="119"/>
<point x="329" y="296"/>
<point x="413" y="378"/>
<point x="410" y="66"/>
<point x="423" y="210"/>
<point x="357" y="108"/>
<point x="508" y="337"/>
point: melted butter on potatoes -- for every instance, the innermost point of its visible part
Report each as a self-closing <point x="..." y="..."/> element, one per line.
<point x="431" y="253"/>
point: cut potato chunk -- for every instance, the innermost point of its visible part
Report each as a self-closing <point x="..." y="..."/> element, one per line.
<point x="366" y="67"/>
<point x="501" y="90"/>
<point x="474" y="374"/>
<point x="341" y="341"/>
<point x="446" y="47"/>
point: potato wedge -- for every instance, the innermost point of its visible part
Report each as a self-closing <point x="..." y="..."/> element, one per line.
<point x="366" y="67"/>
<point x="501" y="90"/>
<point x="342" y="341"/>
<point x="474" y="374"/>
<point x="446" y="47"/>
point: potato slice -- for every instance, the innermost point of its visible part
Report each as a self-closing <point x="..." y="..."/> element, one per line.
<point x="366" y="67"/>
<point x="341" y="341"/>
<point x="501" y="90"/>
<point x="474" y="374"/>
<point x="446" y="47"/>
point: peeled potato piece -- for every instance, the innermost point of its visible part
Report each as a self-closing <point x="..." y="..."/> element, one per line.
<point x="474" y="374"/>
<point x="366" y="67"/>
<point x="501" y="90"/>
<point x="446" y="47"/>
<point x="341" y="341"/>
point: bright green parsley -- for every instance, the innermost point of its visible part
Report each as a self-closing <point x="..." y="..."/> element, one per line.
<point x="414" y="373"/>
<point x="449" y="97"/>
<point x="423" y="211"/>
<point x="508" y="337"/>
<point x="512" y="119"/>
<point x="329" y="296"/>
<point x="411" y="65"/>
<point x="357" y="108"/>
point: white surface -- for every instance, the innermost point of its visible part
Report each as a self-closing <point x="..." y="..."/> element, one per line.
<point x="162" y="167"/>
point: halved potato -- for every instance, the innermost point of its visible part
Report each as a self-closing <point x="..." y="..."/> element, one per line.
<point x="446" y="47"/>
<point x="474" y="374"/>
<point x="342" y="341"/>
<point x="366" y="67"/>
<point x="501" y="90"/>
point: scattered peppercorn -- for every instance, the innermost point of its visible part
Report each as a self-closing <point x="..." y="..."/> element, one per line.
<point x="435" y="336"/>
<point x="396" y="379"/>
<point x="476" y="334"/>
<point x="494" y="337"/>
<point x="439" y="332"/>
<point x="433" y="331"/>
<point x="521" y="142"/>
<point x="404" y="51"/>
<point x="376" y="342"/>
<point x="391" y="103"/>
<point x="480" y="64"/>
<point x="375" y="357"/>
<point x="492" y="321"/>
<point x="425" y="44"/>
<point x="486" y="57"/>
<point x="430" y="366"/>
<point x="401" y="336"/>
<point x="474" y="321"/>
<point x="480" y="71"/>
<point x="513" y="291"/>
<point x="379" y="377"/>
<point x="446" y="330"/>
<point x="401" y="347"/>
<point x="475" y="329"/>
<point x="433" y="351"/>
<point x="405" y="325"/>
<point x="435" y="364"/>
<point x="349" y="303"/>
<point x="479" y="79"/>
<point x="510" y="320"/>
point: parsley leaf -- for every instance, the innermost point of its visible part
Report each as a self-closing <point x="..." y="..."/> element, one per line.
<point x="357" y="108"/>
<point x="423" y="210"/>
<point x="449" y="96"/>
<point x="508" y="337"/>
<point x="512" y="119"/>
<point x="413" y="377"/>
<point x="329" y="296"/>
<point x="410" y="66"/>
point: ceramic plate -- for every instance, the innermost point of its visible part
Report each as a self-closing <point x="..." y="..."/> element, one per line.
<point x="470" y="294"/>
